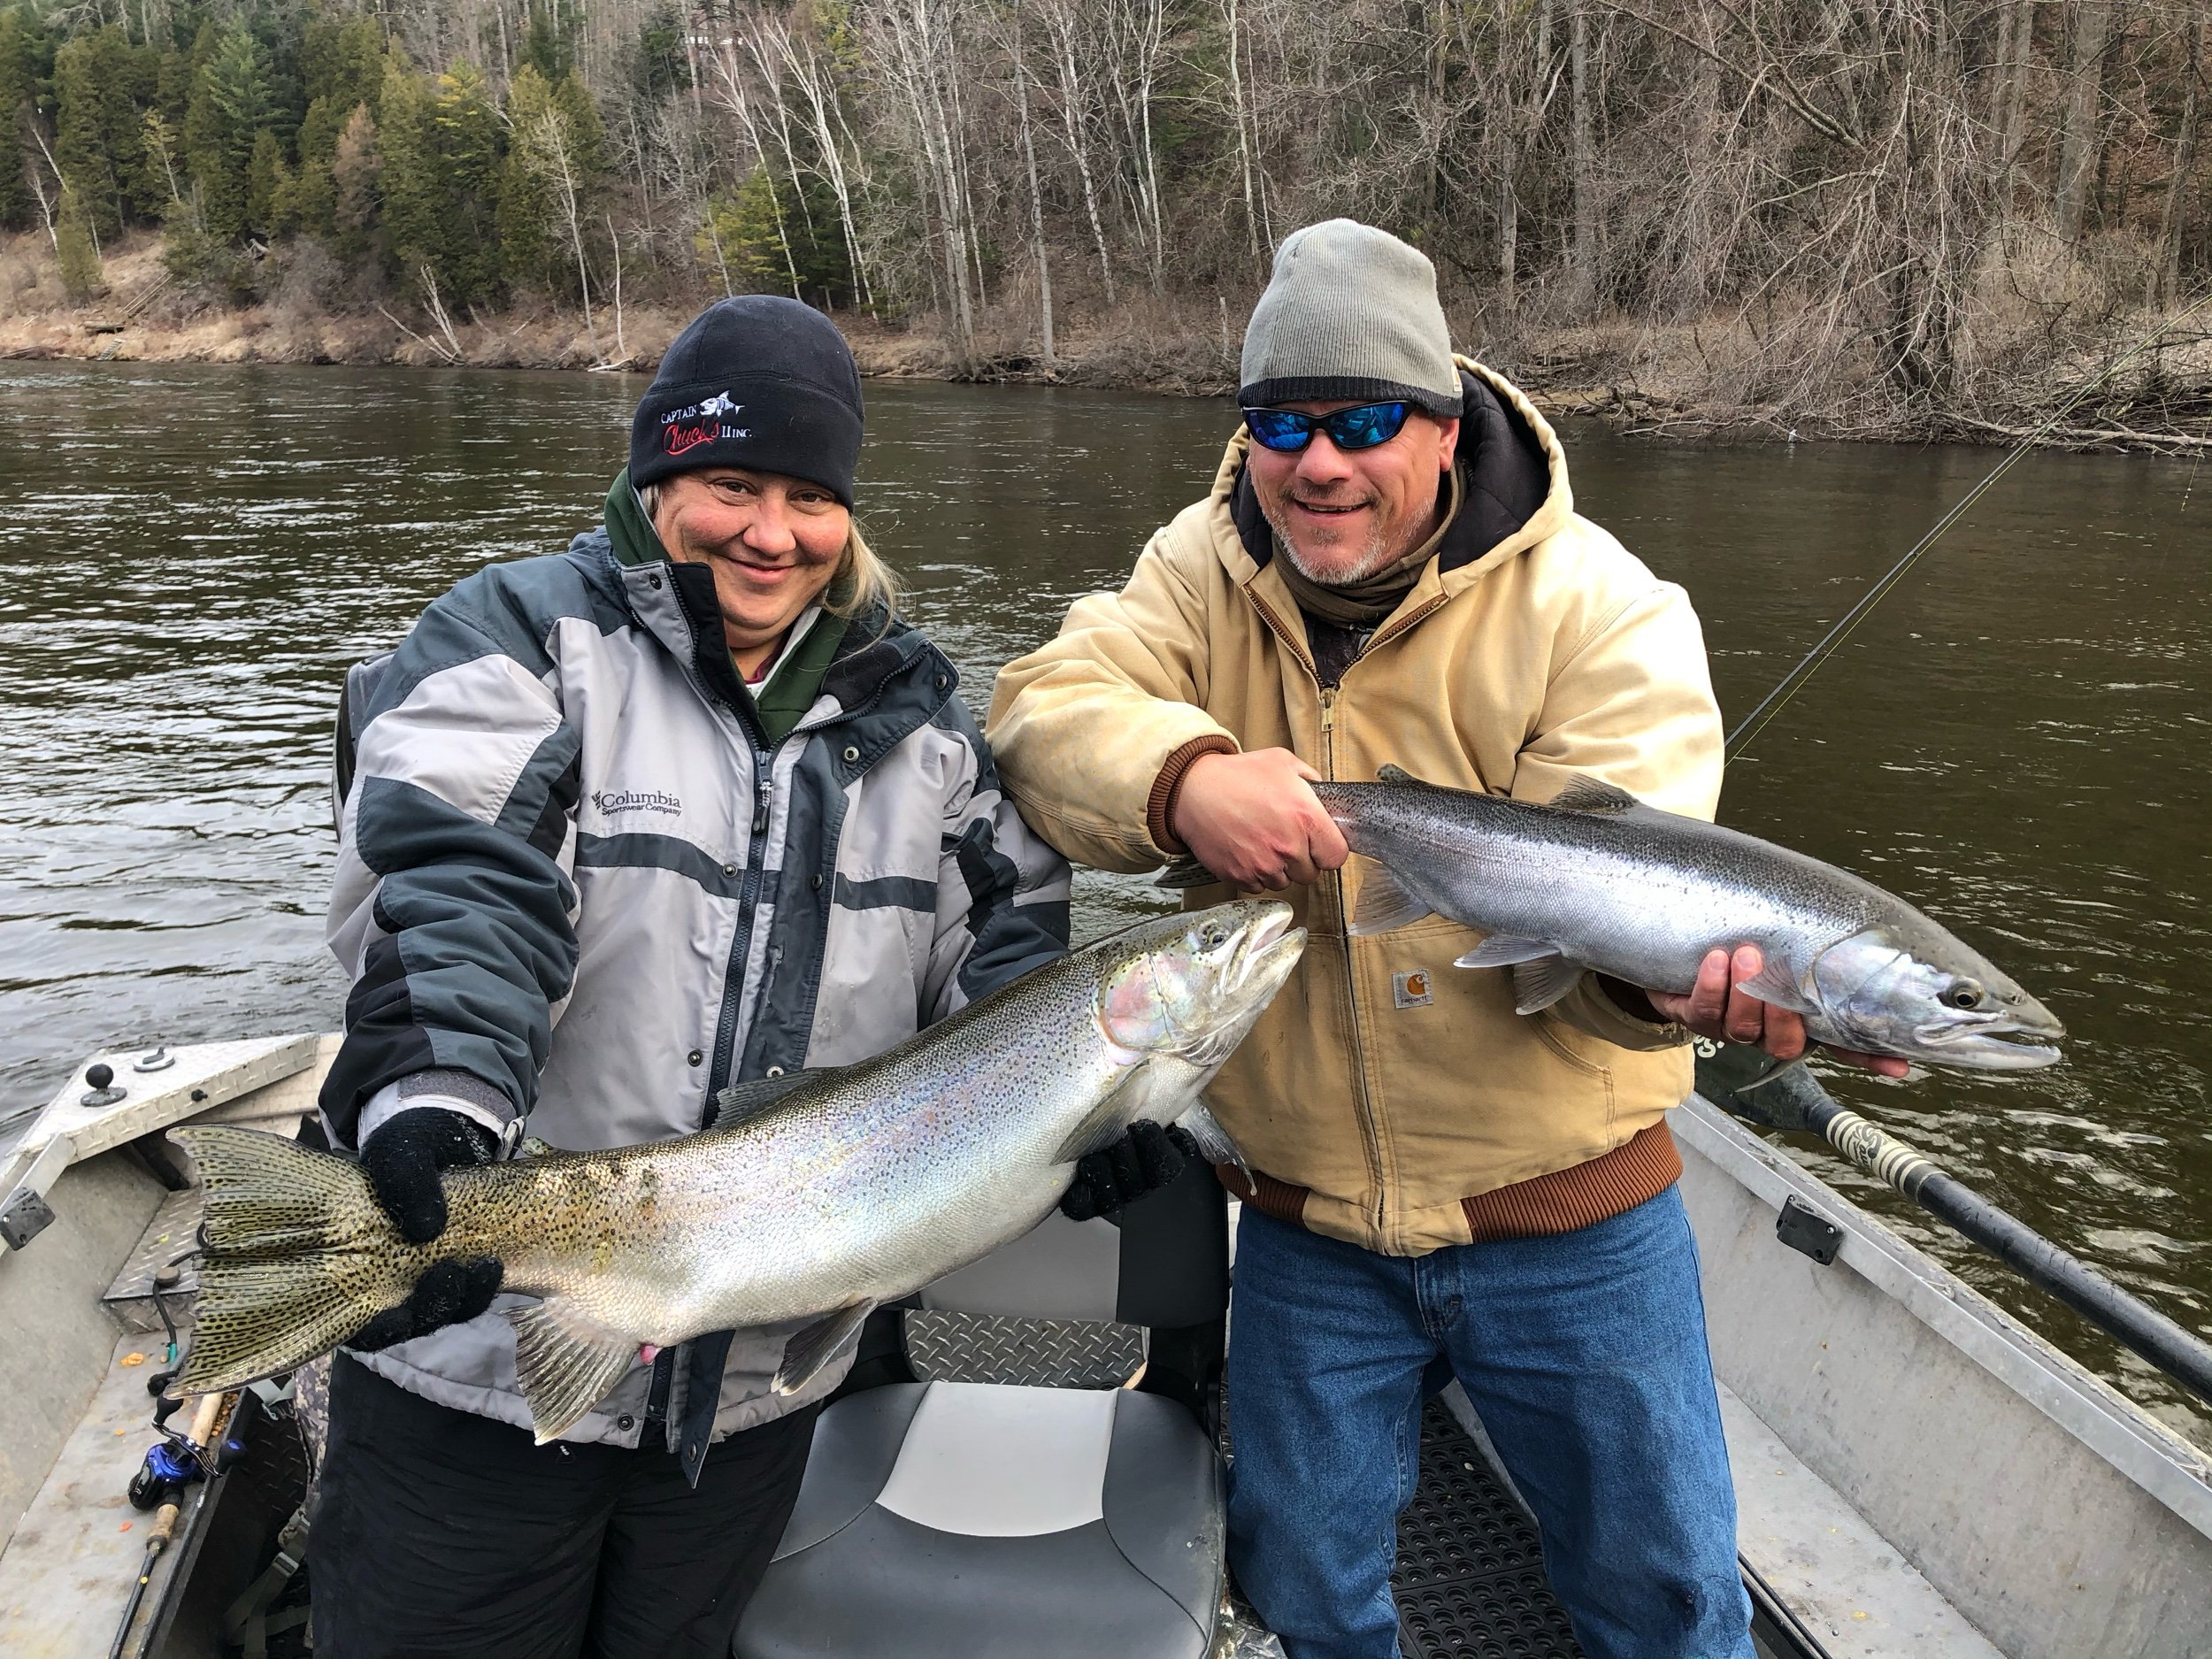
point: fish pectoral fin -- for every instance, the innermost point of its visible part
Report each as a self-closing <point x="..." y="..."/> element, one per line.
<point x="1775" y="984"/>
<point x="1105" y="1123"/>
<point x="1503" y="950"/>
<point x="1214" y="1144"/>
<point x="1593" y="795"/>
<point x="1541" y="981"/>
<point x="816" y="1345"/>
<point x="740" y="1101"/>
<point x="1384" y="904"/>
<point x="1186" y="872"/>
<point x="566" y="1362"/>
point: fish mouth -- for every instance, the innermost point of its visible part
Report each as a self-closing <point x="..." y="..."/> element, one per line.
<point x="1271" y="948"/>
<point x="1989" y="1044"/>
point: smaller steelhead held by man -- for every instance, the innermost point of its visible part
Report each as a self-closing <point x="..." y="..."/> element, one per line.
<point x="823" y="1194"/>
<point x="1599" y="880"/>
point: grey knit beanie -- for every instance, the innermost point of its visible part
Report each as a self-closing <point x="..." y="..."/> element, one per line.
<point x="1350" y="312"/>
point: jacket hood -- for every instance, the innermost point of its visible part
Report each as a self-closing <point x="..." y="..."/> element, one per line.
<point x="1514" y="489"/>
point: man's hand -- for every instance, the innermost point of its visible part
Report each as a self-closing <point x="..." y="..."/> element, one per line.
<point x="1251" y="819"/>
<point x="403" y="1159"/>
<point x="1142" y="1161"/>
<point x="1717" y="1007"/>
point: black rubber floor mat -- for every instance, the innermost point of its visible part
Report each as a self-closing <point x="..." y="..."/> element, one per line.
<point x="1470" y="1572"/>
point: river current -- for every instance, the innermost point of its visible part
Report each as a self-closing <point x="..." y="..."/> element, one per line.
<point x="2015" y="741"/>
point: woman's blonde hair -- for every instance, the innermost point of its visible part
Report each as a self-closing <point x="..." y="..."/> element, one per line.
<point x="862" y="581"/>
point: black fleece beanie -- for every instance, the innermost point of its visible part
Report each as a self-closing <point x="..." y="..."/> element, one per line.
<point x="755" y="381"/>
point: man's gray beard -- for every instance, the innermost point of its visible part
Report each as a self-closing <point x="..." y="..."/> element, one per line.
<point x="1374" y="557"/>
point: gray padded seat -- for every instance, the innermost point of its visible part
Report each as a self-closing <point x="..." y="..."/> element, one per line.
<point x="950" y="1520"/>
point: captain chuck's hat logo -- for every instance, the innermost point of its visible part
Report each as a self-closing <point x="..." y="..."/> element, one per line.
<point x="695" y="423"/>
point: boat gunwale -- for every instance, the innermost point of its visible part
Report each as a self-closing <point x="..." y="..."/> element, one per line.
<point x="2153" y="1457"/>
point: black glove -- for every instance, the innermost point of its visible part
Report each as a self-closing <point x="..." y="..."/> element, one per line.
<point x="404" y="1157"/>
<point x="1142" y="1161"/>
<point x="403" y="1160"/>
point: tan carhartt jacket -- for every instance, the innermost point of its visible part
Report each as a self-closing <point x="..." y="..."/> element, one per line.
<point x="1387" y="1097"/>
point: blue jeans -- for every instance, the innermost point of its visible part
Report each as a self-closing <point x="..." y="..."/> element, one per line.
<point x="1585" y="1356"/>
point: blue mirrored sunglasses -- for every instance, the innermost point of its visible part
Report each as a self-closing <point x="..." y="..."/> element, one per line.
<point x="1287" y="431"/>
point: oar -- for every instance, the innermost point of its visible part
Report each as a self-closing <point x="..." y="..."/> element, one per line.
<point x="1737" y="1080"/>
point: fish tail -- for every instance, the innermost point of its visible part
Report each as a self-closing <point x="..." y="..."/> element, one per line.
<point x="299" y="1256"/>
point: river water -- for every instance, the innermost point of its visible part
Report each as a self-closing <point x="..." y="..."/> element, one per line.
<point x="2015" y="741"/>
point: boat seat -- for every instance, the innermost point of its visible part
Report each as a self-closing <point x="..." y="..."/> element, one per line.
<point x="956" y="1520"/>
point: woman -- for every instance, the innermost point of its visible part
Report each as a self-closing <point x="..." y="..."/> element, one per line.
<point x="684" y="806"/>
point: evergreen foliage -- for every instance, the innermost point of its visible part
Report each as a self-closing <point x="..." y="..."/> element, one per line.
<point x="19" y="84"/>
<point x="77" y="249"/>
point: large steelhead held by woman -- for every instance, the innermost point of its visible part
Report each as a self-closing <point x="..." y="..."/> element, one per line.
<point x="821" y="1195"/>
<point x="1597" y="880"/>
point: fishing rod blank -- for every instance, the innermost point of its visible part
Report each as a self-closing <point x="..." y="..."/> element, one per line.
<point x="1788" y="686"/>
<point x="1792" y="1098"/>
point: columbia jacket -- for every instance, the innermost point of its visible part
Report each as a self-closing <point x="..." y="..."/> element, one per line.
<point x="1387" y="1097"/>
<point x="578" y="882"/>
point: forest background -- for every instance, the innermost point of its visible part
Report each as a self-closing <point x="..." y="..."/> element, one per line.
<point x="1876" y="217"/>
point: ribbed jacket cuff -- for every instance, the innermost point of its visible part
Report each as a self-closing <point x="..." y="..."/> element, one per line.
<point x="1160" y="806"/>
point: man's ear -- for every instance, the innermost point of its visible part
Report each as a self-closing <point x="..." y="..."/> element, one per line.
<point x="1447" y="441"/>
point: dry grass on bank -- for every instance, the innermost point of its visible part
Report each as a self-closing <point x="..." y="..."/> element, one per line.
<point x="2041" y="321"/>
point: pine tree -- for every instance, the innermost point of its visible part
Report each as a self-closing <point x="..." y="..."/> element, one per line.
<point x="548" y="183"/>
<point x="102" y="85"/>
<point x="467" y="126"/>
<point x="356" y="177"/>
<point x="75" y="247"/>
<point x="19" y="207"/>
<point x="269" y="185"/>
<point x="231" y="101"/>
<point x="410" y="190"/>
<point x="341" y="67"/>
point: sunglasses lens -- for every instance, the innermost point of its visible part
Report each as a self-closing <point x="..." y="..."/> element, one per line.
<point x="1279" y="428"/>
<point x="1366" y="427"/>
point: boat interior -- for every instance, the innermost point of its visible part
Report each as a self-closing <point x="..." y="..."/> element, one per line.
<point x="1029" y="1458"/>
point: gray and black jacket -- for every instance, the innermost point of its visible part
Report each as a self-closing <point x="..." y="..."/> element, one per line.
<point x="577" y="881"/>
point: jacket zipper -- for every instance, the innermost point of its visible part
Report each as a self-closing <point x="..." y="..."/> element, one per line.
<point x="748" y="903"/>
<point x="1335" y="878"/>
<point x="1362" y="1106"/>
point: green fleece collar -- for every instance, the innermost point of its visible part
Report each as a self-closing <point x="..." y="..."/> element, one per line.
<point x="782" y="703"/>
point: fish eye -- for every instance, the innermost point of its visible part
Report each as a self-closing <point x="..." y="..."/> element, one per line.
<point x="1964" y="993"/>
<point x="1213" y="935"/>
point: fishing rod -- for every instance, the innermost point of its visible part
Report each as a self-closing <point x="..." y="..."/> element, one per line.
<point x="1788" y="686"/>
<point x="1792" y="1098"/>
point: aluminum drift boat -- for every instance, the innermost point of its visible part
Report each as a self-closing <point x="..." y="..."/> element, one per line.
<point x="1917" y="1473"/>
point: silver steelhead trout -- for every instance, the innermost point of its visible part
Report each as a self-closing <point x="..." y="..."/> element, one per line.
<point x="1597" y="880"/>
<point x="818" y="1195"/>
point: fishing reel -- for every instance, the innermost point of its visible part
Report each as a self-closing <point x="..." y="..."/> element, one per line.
<point x="171" y="1466"/>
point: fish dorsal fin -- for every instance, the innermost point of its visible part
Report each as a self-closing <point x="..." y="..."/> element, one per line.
<point x="1594" y="794"/>
<point x="1384" y="904"/>
<point x="1541" y="981"/>
<point x="1182" y="874"/>
<point x="740" y="1101"/>
<point x="1388" y="773"/>
<point x="566" y="1362"/>
<point x="1105" y="1123"/>
<point x="816" y="1345"/>
<point x="1212" y="1140"/>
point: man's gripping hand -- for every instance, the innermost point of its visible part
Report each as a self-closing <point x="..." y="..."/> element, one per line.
<point x="403" y="1159"/>
<point x="1718" y="1007"/>
<point x="1252" y="820"/>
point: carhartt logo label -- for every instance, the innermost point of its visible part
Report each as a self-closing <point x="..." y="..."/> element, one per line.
<point x="636" y="801"/>
<point x="1411" y="990"/>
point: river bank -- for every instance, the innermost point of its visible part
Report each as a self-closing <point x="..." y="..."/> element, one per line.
<point x="1702" y="378"/>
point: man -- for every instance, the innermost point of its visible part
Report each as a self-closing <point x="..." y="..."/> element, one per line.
<point x="682" y="807"/>
<point x="1389" y="568"/>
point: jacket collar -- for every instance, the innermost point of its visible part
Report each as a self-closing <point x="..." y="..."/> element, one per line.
<point x="1513" y="480"/>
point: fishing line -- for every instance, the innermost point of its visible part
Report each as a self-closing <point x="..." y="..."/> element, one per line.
<point x="1788" y="686"/>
